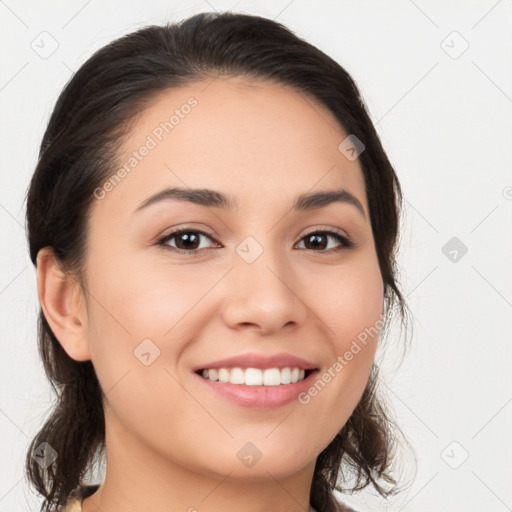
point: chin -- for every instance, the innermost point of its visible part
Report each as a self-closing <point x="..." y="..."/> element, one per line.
<point x="254" y="466"/>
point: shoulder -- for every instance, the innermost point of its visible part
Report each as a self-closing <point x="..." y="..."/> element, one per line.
<point x="74" y="502"/>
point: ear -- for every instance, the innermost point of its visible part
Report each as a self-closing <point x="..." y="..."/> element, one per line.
<point x="63" y="305"/>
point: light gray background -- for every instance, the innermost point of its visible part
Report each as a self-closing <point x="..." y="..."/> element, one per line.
<point x="445" y="120"/>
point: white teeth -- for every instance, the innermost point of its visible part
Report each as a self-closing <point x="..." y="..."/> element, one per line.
<point x="286" y="376"/>
<point x="255" y="376"/>
<point x="271" y="377"/>
<point x="223" y="375"/>
<point x="236" y="376"/>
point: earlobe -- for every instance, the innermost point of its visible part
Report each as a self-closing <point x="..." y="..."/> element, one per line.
<point x="63" y="305"/>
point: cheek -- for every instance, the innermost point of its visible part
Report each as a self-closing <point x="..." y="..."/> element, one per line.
<point x="350" y="302"/>
<point x="351" y="311"/>
<point x="140" y="312"/>
<point x="133" y="319"/>
<point x="143" y="298"/>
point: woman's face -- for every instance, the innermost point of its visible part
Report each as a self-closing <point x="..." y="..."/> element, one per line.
<point x="267" y="283"/>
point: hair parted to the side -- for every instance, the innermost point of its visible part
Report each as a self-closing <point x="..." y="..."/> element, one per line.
<point x="92" y="117"/>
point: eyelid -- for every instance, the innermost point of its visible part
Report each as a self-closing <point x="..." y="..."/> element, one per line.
<point x="317" y="229"/>
<point x="189" y="227"/>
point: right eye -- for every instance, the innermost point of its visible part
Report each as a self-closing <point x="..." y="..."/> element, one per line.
<point x="187" y="238"/>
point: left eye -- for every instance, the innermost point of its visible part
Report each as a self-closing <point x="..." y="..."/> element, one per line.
<point x="315" y="238"/>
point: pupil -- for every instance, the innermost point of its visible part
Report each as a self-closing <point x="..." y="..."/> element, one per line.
<point x="189" y="240"/>
<point x="316" y="238"/>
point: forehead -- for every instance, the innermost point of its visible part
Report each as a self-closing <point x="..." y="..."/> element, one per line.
<point x="258" y="141"/>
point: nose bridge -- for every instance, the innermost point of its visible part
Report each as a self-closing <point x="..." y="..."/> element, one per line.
<point x="262" y="268"/>
<point x="261" y="288"/>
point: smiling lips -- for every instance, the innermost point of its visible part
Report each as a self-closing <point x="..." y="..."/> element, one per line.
<point x="258" y="380"/>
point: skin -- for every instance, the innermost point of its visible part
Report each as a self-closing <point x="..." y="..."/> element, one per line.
<point x="171" y="442"/>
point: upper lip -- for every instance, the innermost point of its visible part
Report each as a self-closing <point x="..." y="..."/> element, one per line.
<point x="261" y="361"/>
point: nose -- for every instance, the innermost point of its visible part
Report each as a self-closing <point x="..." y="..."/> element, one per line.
<point x="262" y="296"/>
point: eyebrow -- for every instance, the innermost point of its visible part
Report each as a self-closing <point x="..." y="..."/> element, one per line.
<point x="212" y="198"/>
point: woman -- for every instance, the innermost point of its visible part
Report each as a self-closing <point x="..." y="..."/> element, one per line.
<point x="214" y="223"/>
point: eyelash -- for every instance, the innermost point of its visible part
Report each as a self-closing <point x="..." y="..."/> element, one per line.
<point x="347" y="243"/>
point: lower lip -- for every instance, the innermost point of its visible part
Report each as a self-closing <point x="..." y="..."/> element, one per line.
<point x="262" y="397"/>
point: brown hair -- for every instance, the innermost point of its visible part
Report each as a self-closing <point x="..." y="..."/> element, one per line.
<point x="92" y="117"/>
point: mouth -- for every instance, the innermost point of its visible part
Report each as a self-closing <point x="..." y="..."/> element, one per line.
<point x="251" y="376"/>
<point x="255" y="387"/>
<point x="255" y="380"/>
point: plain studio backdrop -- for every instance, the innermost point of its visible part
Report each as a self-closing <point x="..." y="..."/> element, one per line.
<point x="437" y="79"/>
